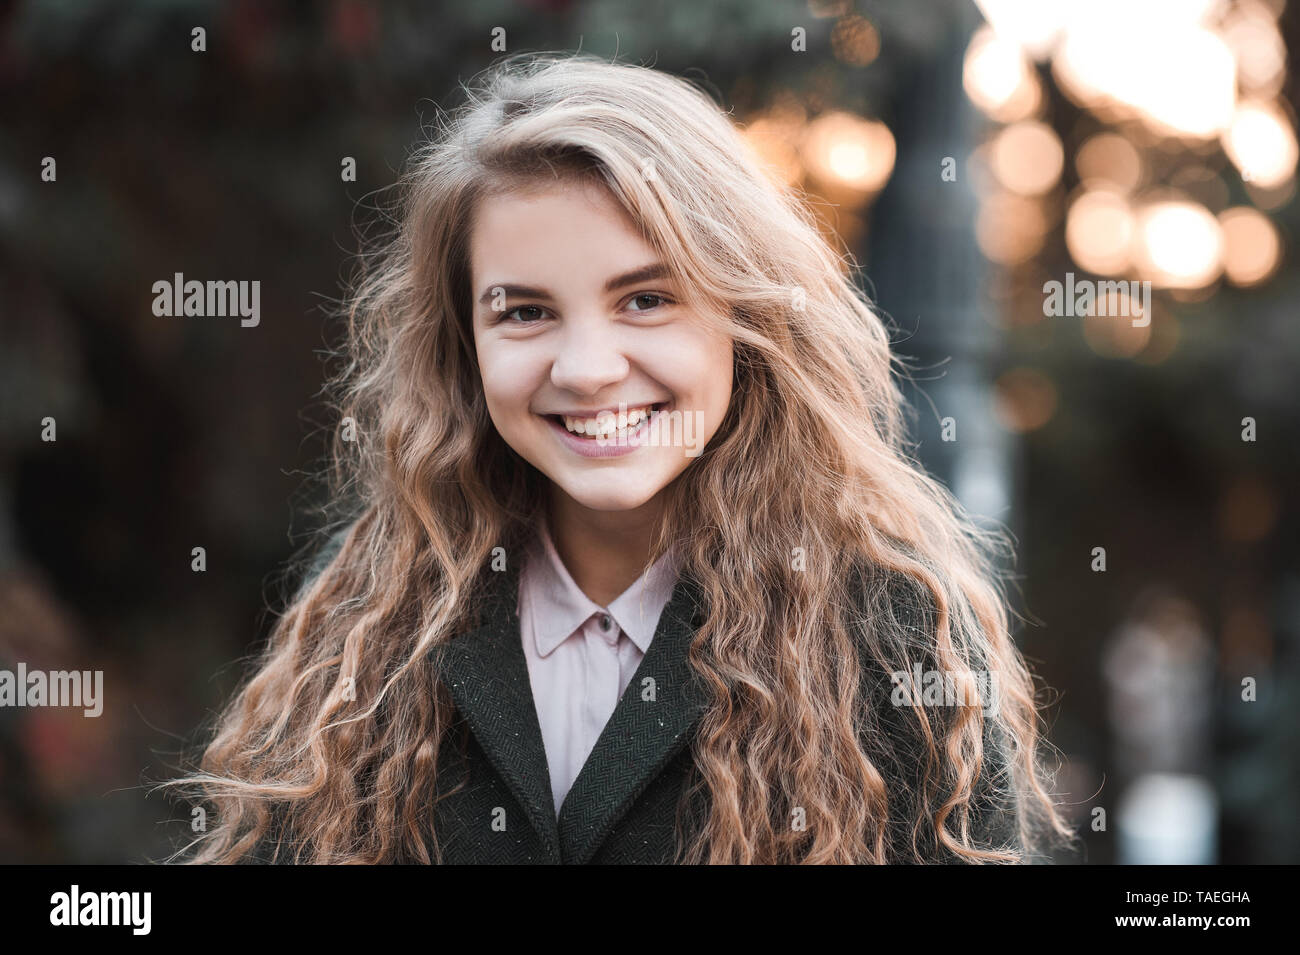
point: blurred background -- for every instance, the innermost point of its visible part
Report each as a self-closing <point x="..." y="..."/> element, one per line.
<point x="970" y="154"/>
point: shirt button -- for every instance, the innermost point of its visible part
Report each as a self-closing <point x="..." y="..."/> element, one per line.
<point x="605" y="622"/>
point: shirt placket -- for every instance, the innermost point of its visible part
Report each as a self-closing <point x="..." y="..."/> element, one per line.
<point x="601" y="635"/>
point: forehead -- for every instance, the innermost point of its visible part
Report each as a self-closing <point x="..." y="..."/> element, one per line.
<point x="555" y="228"/>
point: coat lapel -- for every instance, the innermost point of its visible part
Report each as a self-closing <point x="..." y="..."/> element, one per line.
<point x="487" y="675"/>
<point x="650" y="725"/>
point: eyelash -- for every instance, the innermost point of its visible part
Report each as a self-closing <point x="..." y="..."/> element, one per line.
<point x="663" y="300"/>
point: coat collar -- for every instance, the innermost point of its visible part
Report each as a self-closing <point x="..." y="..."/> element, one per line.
<point x="559" y="606"/>
<point x="487" y="675"/>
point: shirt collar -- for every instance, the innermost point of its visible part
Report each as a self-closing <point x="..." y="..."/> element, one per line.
<point x="559" y="607"/>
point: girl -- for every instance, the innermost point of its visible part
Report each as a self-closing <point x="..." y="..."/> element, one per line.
<point x="642" y="571"/>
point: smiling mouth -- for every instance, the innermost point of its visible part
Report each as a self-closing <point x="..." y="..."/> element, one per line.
<point x="607" y="426"/>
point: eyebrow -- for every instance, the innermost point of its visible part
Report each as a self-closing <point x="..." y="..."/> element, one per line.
<point x="646" y="273"/>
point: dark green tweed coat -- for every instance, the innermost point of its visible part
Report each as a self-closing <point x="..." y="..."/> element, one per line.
<point x="622" y="807"/>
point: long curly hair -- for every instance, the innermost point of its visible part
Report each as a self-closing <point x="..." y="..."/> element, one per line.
<point x="798" y="522"/>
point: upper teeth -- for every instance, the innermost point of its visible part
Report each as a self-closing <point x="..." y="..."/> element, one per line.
<point x="607" y="423"/>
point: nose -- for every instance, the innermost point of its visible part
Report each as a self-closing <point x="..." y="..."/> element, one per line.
<point x="590" y="358"/>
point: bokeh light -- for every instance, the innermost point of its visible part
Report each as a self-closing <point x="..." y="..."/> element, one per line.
<point x="774" y="143"/>
<point x="1250" y="31"/>
<point x="999" y="79"/>
<point x="1113" y="335"/>
<point x="1261" y="143"/>
<point x="855" y="41"/>
<point x="1024" y="399"/>
<point x="1027" y="158"/>
<point x="1178" y="244"/>
<point x="1252" y="249"/>
<point x="847" y="151"/>
<point x="1009" y="228"/>
<point x="1033" y="25"/>
<point x="1099" y="228"/>
<point x="1109" y="159"/>
<point x="1179" y="79"/>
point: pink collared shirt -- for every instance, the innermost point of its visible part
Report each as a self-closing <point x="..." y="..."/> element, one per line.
<point x="581" y="656"/>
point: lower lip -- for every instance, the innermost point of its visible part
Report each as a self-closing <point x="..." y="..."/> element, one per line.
<point x="591" y="448"/>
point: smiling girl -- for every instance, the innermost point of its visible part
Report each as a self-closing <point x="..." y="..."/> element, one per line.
<point x="642" y="571"/>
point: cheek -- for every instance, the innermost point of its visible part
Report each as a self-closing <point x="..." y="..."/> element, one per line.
<point x="720" y="374"/>
<point x="705" y="371"/>
<point x="690" y="361"/>
<point x="507" y="380"/>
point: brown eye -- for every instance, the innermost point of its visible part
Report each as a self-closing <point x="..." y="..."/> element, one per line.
<point x="656" y="301"/>
<point x="533" y="312"/>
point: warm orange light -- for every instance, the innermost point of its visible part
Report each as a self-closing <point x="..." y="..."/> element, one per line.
<point x="1261" y="143"/>
<point x="1115" y="335"/>
<point x="999" y="79"/>
<point x="855" y="41"/>
<point x="848" y="151"/>
<point x="1099" y="229"/>
<point x="775" y="148"/>
<point x="1110" y="159"/>
<point x="1252" y="247"/>
<point x="1251" y="33"/>
<point x="1158" y="61"/>
<point x="1179" y="244"/>
<point x="1027" y="158"/>
<point x="1009" y="229"/>
<point x="1031" y="24"/>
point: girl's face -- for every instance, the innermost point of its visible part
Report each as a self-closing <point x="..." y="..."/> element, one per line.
<point x="575" y="315"/>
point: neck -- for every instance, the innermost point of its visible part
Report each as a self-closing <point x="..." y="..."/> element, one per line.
<point x="604" y="551"/>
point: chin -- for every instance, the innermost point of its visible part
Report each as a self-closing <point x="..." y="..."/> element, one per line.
<point x="609" y="498"/>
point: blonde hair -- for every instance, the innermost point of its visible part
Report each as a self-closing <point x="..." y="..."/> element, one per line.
<point x="826" y="557"/>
